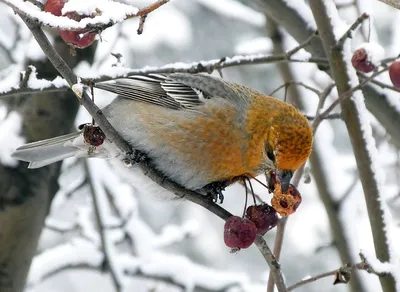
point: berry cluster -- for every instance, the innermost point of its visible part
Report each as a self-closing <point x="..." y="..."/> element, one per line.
<point x="77" y="39"/>
<point x="241" y="232"/>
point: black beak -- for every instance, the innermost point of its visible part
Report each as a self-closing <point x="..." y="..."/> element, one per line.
<point x="285" y="176"/>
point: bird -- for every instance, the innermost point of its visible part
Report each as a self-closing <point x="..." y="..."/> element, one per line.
<point x="198" y="130"/>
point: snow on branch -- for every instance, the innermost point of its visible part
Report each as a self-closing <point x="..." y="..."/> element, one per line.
<point x="208" y="66"/>
<point x="106" y="13"/>
<point x="76" y="253"/>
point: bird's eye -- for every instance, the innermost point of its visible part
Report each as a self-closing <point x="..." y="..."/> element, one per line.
<point x="271" y="155"/>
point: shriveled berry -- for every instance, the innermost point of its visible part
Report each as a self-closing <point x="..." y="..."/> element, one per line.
<point x="361" y="61"/>
<point x="54" y="6"/>
<point x="80" y="38"/>
<point x="287" y="203"/>
<point x="93" y="135"/>
<point x="394" y="73"/>
<point x="239" y="232"/>
<point x="263" y="216"/>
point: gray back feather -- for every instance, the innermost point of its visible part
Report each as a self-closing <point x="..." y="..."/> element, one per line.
<point x="175" y="91"/>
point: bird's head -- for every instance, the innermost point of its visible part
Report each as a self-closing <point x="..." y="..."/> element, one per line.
<point x="288" y="145"/>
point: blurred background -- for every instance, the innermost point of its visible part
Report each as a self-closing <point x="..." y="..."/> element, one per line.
<point x="155" y="242"/>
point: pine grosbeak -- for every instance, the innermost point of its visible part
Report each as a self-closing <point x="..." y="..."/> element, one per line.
<point x="196" y="129"/>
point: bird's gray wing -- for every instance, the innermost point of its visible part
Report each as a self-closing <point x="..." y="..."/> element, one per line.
<point x="158" y="89"/>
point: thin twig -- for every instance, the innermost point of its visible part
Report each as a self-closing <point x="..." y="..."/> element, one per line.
<point x="353" y="27"/>
<point x="195" y="67"/>
<point x="348" y="269"/>
<point x="334" y="116"/>
<point x="379" y="83"/>
<point x="302" y="45"/>
<point x="288" y="83"/>
<point x="145" y="11"/>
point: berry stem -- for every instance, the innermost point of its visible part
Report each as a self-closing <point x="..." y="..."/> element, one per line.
<point x="246" y="195"/>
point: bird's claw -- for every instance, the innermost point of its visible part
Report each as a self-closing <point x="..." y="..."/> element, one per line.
<point x="214" y="191"/>
<point x="135" y="157"/>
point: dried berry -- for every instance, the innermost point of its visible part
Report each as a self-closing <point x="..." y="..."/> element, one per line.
<point x="263" y="216"/>
<point x="239" y="232"/>
<point x="54" y="6"/>
<point x="287" y="203"/>
<point x="394" y="73"/>
<point x="93" y="135"/>
<point x="361" y="61"/>
<point x="80" y="38"/>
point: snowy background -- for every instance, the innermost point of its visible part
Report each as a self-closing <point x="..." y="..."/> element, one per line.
<point x="158" y="243"/>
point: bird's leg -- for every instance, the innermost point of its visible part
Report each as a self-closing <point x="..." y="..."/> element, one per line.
<point x="214" y="190"/>
<point x="136" y="156"/>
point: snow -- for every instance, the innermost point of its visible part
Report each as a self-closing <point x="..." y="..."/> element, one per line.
<point x="111" y="11"/>
<point x="375" y="52"/>
<point x="235" y="10"/>
<point x="75" y="253"/>
<point x="10" y="139"/>
<point x="303" y="10"/>
<point x="254" y="46"/>
<point x="183" y="271"/>
<point x="339" y="26"/>
<point x="35" y="83"/>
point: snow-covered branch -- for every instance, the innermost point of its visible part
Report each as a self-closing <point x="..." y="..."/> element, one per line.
<point x="358" y="125"/>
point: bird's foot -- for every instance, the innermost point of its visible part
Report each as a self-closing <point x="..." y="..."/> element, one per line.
<point x="135" y="157"/>
<point x="214" y="191"/>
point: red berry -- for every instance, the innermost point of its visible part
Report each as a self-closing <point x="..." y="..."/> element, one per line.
<point x="361" y="62"/>
<point x="93" y="135"/>
<point x="263" y="216"/>
<point x="239" y="232"/>
<point x="54" y="6"/>
<point x="80" y="38"/>
<point x="394" y="73"/>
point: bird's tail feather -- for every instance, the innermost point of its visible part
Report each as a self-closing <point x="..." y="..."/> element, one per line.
<point x="44" y="152"/>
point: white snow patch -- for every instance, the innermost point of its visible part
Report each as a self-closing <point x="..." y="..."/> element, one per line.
<point x="338" y="24"/>
<point x="375" y="52"/>
<point x="77" y="252"/>
<point x="254" y="46"/>
<point x="303" y="10"/>
<point x="10" y="139"/>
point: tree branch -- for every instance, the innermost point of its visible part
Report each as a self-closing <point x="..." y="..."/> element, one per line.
<point x="91" y="24"/>
<point x="350" y="113"/>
